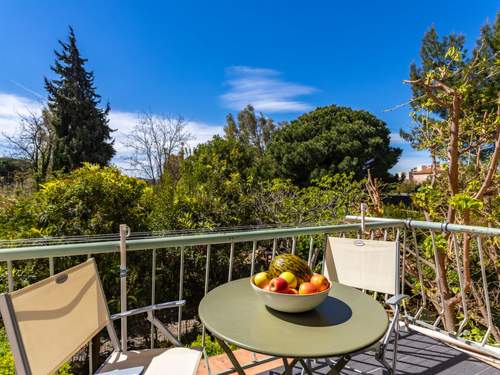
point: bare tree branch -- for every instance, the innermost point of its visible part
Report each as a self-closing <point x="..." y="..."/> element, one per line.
<point x="153" y="141"/>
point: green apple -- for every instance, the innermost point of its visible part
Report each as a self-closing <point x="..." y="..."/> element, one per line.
<point x="290" y="279"/>
<point x="261" y="279"/>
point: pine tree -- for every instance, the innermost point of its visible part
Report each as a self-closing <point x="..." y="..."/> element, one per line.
<point x="81" y="127"/>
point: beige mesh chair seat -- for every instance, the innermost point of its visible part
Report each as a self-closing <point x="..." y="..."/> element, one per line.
<point x="372" y="266"/>
<point x="49" y="321"/>
<point x="154" y="361"/>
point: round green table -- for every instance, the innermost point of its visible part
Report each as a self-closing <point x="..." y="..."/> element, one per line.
<point x="346" y="322"/>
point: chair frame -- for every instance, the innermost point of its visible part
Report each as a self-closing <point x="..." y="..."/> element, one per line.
<point x="394" y="303"/>
<point x="21" y="360"/>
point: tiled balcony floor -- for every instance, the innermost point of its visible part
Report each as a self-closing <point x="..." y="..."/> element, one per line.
<point x="418" y="354"/>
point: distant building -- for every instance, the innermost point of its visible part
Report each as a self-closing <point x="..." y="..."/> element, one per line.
<point x="422" y="173"/>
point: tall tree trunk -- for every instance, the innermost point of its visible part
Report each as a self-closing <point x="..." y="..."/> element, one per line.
<point x="453" y="153"/>
<point x="433" y="168"/>
<point x="449" y="315"/>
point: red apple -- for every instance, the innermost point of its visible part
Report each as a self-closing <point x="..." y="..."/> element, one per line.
<point x="278" y="284"/>
<point x="320" y="282"/>
<point x="307" y="288"/>
<point x="290" y="291"/>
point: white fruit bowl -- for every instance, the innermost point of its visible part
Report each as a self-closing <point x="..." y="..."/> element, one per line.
<point x="290" y="303"/>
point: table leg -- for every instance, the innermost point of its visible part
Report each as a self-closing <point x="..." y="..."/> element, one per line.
<point x="289" y="366"/>
<point x="231" y="357"/>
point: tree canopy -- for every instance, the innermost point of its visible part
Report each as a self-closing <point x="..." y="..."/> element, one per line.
<point x="251" y="129"/>
<point x="330" y="140"/>
<point x="81" y="127"/>
<point x="456" y="112"/>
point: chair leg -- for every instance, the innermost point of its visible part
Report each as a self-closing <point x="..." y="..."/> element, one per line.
<point x="395" y="351"/>
<point x="305" y="367"/>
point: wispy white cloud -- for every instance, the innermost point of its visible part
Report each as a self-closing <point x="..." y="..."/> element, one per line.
<point x="396" y="139"/>
<point x="12" y="106"/>
<point x="265" y="89"/>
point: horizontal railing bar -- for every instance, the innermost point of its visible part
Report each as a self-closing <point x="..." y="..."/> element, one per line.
<point x="35" y="252"/>
<point x="53" y="240"/>
<point x="435" y="226"/>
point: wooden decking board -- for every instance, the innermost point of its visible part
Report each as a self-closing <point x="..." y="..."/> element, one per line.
<point x="418" y="354"/>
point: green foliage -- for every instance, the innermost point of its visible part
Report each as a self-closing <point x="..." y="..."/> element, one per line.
<point x="214" y="188"/>
<point x="10" y="168"/>
<point x="212" y="347"/>
<point x="332" y="140"/>
<point x="327" y="198"/>
<point x="18" y="217"/>
<point x="440" y="244"/>
<point x="464" y="202"/>
<point x="250" y="129"/>
<point x="6" y="358"/>
<point x="91" y="200"/>
<point x="429" y="199"/>
<point x="81" y="127"/>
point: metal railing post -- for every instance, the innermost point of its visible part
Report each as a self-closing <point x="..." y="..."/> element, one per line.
<point x="10" y="279"/>
<point x="207" y="278"/>
<point x="123" y="284"/>
<point x="403" y="267"/>
<point x="231" y="261"/>
<point x="181" y="293"/>
<point x="254" y="250"/>
<point x="438" y="279"/>
<point x="486" y="294"/>
<point x="461" y="283"/>
<point x="153" y="294"/>
<point x="275" y="245"/>
<point x="51" y="266"/>
<point x="91" y="354"/>
<point x="420" y="276"/>
<point x="311" y="247"/>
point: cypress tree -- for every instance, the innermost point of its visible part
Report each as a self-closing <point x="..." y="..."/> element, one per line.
<point x="81" y="127"/>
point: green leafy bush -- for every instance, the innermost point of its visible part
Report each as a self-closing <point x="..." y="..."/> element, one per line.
<point x="6" y="358"/>
<point x="212" y="347"/>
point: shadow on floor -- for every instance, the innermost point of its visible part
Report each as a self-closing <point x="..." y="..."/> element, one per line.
<point x="418" y="354"/>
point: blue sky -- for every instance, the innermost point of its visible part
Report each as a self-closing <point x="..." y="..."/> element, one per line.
<point x="203" y="59"/>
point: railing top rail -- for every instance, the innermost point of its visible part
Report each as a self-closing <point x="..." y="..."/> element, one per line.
<point x="100" y="247"/>
<point x="10" y="253"/>
<point x="434" y="226"/>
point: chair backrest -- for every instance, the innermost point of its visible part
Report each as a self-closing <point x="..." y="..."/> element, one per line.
<point x="365" y="264"/>
<point x="49" y="321"/>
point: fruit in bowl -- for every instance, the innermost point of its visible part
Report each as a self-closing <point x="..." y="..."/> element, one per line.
<point x="320" y="282"/>
<point x="290" y="263"/>
<point x="278" y="285"/>
<point x="308" y="288"/>
<point x="261" y="280"/>
<point x="290" y="285"/>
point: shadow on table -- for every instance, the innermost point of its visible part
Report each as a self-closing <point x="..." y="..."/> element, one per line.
<point x="331" y="312"/>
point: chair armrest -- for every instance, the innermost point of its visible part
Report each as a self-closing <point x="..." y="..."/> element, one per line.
<point x="140" y="310"/>
<point x="396" y="299"/>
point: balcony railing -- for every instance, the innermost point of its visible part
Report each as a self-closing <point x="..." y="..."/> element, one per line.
<point x="421" y="313"/>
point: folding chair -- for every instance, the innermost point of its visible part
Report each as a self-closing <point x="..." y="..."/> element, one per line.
<point x="373" y="266"/>
<point x="49" y="321"/>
